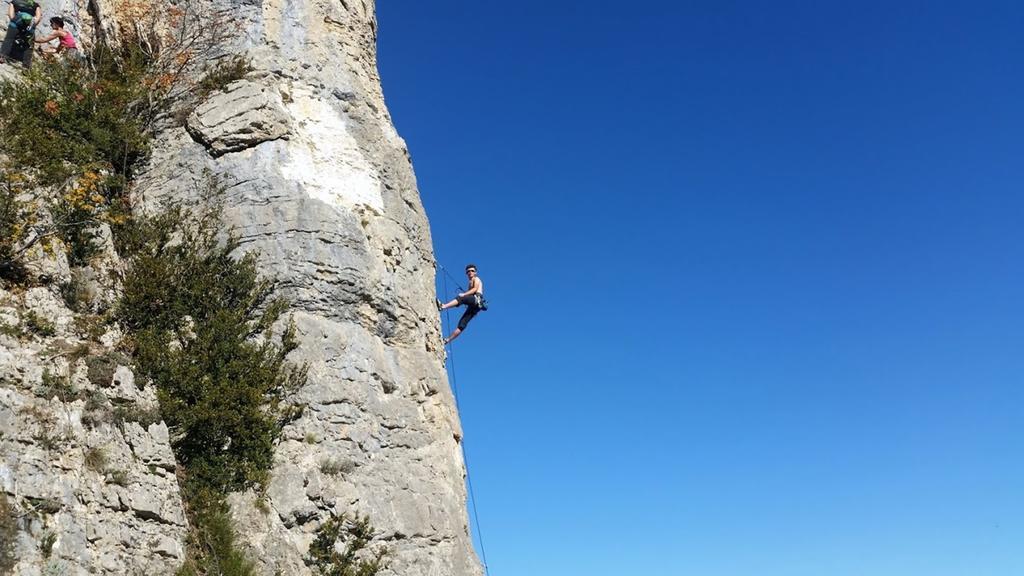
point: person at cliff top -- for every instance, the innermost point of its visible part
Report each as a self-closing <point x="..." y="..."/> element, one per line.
<point x="472" y="299"/>
<point x="23" y="17"/>
<point x="65" y="41"/>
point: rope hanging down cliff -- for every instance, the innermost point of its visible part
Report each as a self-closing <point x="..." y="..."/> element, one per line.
<point x="462" y="442"/>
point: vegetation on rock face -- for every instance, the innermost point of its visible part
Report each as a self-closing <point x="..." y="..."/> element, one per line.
<point x="16" y="221"/>
<point x="8" y="535"/>
<point x="213" y="550"/>
<point x="68" y="118"/>
<point x="75" y="136"/>
<point x="221" y="74"/>
<point x="355" y="559"/>
<point x="100" y="368"/>
<point x="205" y="340"/>
<point x="199" y="320"/>
<point x="95" y="459"/>
<point x="38" y="325"/>
<point x="46" y="543"/>
<point x="75" y="133"/>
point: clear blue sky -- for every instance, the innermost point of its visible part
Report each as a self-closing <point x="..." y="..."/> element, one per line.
<point x="756" y="271"/>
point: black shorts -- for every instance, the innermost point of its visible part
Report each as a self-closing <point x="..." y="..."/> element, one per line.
<point x="472" y="305"/>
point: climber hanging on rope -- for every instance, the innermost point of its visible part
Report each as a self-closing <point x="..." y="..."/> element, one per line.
<point x="472" y="299"/>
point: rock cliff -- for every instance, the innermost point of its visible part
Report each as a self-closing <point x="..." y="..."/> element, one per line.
<point x="321" y="186"/>
<point x="81" y="450"/>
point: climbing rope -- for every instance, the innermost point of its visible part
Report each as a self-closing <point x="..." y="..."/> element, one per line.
<point x="462" y="443"/>
<point x="457" y="285"/>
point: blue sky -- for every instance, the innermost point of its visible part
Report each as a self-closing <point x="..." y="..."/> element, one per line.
<point x="755" y="272"/>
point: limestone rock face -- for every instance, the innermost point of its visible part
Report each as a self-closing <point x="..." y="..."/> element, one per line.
<point x="321" y="185"/>
<point x="244" y="115"/>
<point x="94" y="491"/>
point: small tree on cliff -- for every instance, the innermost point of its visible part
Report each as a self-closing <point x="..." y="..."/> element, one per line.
<point x="76" y="133"/>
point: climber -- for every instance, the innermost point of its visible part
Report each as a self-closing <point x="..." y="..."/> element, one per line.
<point x="23" y="16"/>
<point x="472" y="299"/>
<point x="65" y="41"/>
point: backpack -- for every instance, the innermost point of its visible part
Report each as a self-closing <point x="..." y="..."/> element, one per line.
<point x="28" y="7"/>
<point x="23" y="20"/>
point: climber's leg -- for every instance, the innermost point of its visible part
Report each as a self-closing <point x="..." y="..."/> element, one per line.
<point x="468" y="315"/>
<point x="453" y="336"/>
<point x="9" y="38"/>
<point x="26" y="55"/>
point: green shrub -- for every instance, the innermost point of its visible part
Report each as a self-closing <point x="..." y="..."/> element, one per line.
<point x="16" y="220"/>
<point x="8" y="535"/>
<point x="134" y="413"/>
<point x="352" y="561"/>
<point x="56" y="385"/>
<point x="101" y="368"/>
<point x="11" y="330"/>
<point x="67" y="116"/>
<point x="96" y="459"/>
<point x="224" y="72"/>
<point x="77" y="132"/>
<point x="96" y="400"/>
<point x="46" y="543"/>
<point x="117" y="477"/>
<point x="75" y="295"/>
<point x="204" y="339"/>
<point x="81" y="130"/>
<point x="336" y="467"/>
<point x="91" y="326"/>
<point x="77" y="211"/>
<point x="38" y="325"/>
<point x="39" y="507"/>
<point x="213" y="550"/>
<point x="97" y="410"/>
<point x="70" y="211"/>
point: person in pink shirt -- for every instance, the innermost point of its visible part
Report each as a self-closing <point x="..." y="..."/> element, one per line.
<point x="65" y="40"/>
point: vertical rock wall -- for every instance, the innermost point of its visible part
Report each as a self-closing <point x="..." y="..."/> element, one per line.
<point x="87" y="474"/>
<point x="321" y="185"/>
<point x="84" y="467"/>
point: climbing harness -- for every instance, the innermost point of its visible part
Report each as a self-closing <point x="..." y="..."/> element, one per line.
<point x="462" y="442"/>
